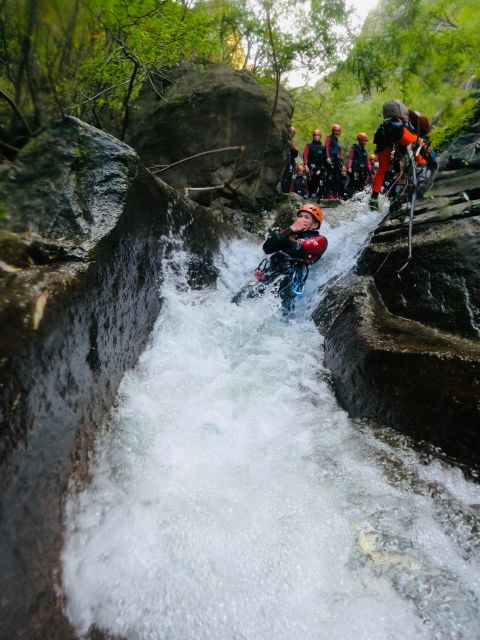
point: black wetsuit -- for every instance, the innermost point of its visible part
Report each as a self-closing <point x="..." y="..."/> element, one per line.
<point x="360" y="170"/>
<point x="286" y="181"/>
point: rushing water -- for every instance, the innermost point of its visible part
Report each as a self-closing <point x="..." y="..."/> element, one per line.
<point x="232" y="499"/>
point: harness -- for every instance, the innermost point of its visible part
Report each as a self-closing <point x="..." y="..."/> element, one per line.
<point x="335" y="150"/>
<point x="315" y="154"/>
<point x="300" y="185"/>
<point x="297" y="269"/>
<point x="359" y="158"/>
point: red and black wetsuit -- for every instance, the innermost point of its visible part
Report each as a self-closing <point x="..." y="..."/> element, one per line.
<point x="286" y="180"/>
<point x="333" y="150"/>
<point x="299" y="185"/>
<point x="360" y="168"/>
<point x="314" y="159"/>
<point x="307" y="246"/>
<point x="293" y="252"/>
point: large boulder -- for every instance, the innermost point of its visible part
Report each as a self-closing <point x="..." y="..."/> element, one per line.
<point x="211" y="107"/>
<point x="80" y="277"/>
<point x="404" y="343"/>
<point x="424" y="381"/>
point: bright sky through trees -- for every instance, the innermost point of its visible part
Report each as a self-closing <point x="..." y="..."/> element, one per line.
<point x="360" y="8"/>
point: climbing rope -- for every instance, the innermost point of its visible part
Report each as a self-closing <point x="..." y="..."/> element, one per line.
<point x="412" y="175"/>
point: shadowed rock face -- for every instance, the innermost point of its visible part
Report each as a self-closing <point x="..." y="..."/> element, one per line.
<point x="425" y="381"/>
<point x="441" y="285"/>
<point x="76" y="309"/>
<point x="210" y="107"/>
<point x="406" y="346"/>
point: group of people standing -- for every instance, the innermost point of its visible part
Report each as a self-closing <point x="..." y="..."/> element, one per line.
<point x="325" y="173"/>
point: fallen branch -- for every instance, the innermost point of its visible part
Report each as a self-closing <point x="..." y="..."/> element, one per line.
<point x="9" y="146"/>
<point x="228" y="184"/>
<point x="11" y="102"/>
<point x="97" y="95"/>
<point x="159" y="168"/>
<point x="186" y="190"/>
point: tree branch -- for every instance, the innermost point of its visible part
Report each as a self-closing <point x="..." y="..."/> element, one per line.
<point x="100" y="93"/>
<point x="17" y="111"/>
<point x="127" y="100"/>
<point x="155" y="168"/>
<point x="274" y="54"/>
<point x="9" y="146"/>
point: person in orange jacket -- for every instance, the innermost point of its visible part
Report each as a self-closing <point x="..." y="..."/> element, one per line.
<point x="401" y="126"/>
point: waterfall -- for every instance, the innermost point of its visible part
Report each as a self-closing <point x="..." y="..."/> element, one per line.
<point x="231" y="498"/>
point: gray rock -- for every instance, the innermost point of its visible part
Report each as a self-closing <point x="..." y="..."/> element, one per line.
<point x="404" y="344"/>
<point x="75" y="313"/>
<point x="210" y="107"/>
<point x="74" y="170"/>
<point x="441" y="285"/>
<point x="463" y="152"/>
<point x="421" y="380"/>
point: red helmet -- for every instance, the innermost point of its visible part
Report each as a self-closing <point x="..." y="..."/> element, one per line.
<point x="336" y="127"/>
<point x="362" y="136"/>
<point x="316" y="132"/>
<point x="314" y="210"/>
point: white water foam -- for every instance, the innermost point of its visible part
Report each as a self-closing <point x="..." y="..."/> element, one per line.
<point x="232" y="499"/>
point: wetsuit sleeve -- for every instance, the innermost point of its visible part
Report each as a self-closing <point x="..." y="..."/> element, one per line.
<point x="327" y="147"/>
<point x="277" y="240"/>
<point x="350" y="158"/>
<point x="408" y="137"/>
<point x="305" y="154"/>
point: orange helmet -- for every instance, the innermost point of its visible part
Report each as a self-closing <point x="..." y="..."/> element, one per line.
<point x="314" y="210"/>
<point x="362" y="136"/>
<point x="336" y="127"/>
<point x="316" y="132"/>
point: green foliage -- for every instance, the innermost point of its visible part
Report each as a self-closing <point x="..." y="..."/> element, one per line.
<point x="89" y="58"/>
<point x="419" y="51"/>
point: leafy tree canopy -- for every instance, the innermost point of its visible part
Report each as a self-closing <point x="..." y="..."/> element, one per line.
<point x="423" y="52"/>
<point x="89" y="58"/>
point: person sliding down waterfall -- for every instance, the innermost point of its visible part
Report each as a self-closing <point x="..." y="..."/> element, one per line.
<point x="294" y="250"/>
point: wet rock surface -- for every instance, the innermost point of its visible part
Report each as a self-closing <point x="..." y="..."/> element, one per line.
<point x="76" y="309"/>
<point x="66" y="183"/>
<point x="419" y="379"/>
<point x="210" y="107"/>
<point x="405" y="344"/>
